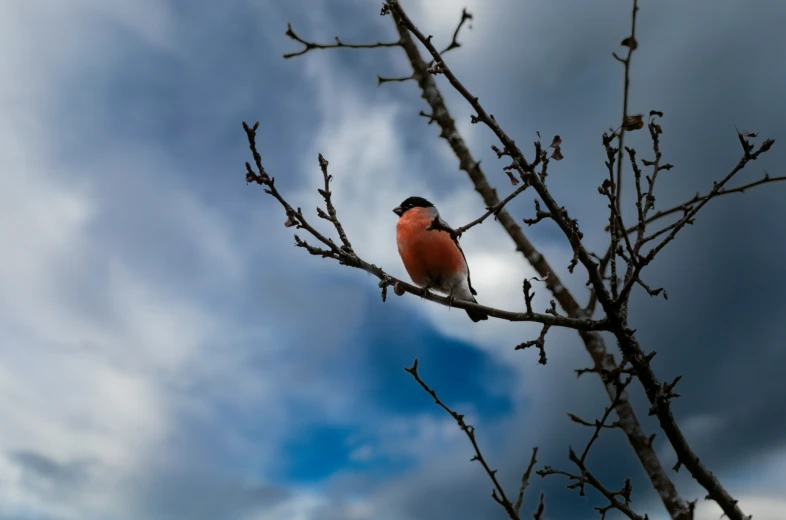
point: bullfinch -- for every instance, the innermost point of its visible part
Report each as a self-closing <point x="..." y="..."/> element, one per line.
<point x="432" y="257"/>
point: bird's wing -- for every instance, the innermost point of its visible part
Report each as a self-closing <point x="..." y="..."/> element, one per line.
<point x="455" y="241"/>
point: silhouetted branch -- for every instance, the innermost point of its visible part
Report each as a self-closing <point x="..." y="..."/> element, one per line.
<point x="454" y="43"/>
<point x="494" y="210"/>
<point x="603" y="361"/>
<point x="331" y="214"/>
<point x="525" y="483"/>
<point x="381" y="79"/>
<point x="540" y="343"/>
<point x="614" y="307"/>
<point x="749" y="154"/>
<point x="631" y="43"/>
<point x="497" y="493"/>
<point x="613" y="301"/>
<point x="310" y="46"/>
<point x="346" y="256"/>
<point x="586" y="477"/>
<point x="687" y="205"/>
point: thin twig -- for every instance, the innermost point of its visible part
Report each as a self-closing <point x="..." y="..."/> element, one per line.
<point x="525" y="482"/>
<point x="310" y="46"/>
<point x="494" y="210"/>
<point x="631" y="43"/>
<point x="586" y="477"/>
<point x="498" y="493"/>
<point x="687" y="205"/>
<point x="454" y="43"/>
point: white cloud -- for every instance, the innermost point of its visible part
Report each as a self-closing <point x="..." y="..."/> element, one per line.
<point x="91" y="344"/>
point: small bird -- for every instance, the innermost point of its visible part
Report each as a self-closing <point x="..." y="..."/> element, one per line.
<point x="432" y="257"/>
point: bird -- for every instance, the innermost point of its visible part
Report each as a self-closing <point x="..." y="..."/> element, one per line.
<point x="432" y="257"/>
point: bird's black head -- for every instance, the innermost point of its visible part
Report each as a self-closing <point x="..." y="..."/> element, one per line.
<point x="412" y="202"/>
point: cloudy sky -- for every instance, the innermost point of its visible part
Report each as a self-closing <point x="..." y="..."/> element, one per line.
<point x="166" y="353"/>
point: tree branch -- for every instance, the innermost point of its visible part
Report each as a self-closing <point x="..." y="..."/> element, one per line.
<point x="310" y="46"/>
<point x="632" y="45"/>
<point x="586" y="477"/>
<point x="603" y="361"/>
<point x="454" y="43"/>
<point x="346" y="256"/>
<point x="498" y="493"/>
<point x="687" y="205"/>
<point x="613" y="307"/>
<point x="494" y="210"/>
<point x="525" y="482"/>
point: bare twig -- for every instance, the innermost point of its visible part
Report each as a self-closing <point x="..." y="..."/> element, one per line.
<point x="602" y="422"/>
<point x="540" y="343"/>
<point x="631" y="43"/>
<point x="494" y="210"/>
<point x="454" y="43"/>
<point x="525" y="482"/>
<point x="400" y="79"/>
<point x="310" y="46"/>
<point x="497" y="493"/>
<point x="687" y="205"/>
<point x="538" y="514"/>
<point x="586" y="477"/>
<point x="748" y="155"/>
<point x="327" y="195"/>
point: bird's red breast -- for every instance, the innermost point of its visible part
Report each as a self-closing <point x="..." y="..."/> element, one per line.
<point x="427" y="254"/>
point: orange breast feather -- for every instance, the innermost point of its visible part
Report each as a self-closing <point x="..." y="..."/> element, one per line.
<point x="428" y="255"/>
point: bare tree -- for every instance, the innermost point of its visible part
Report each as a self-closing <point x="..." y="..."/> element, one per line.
<point x="612" y="276"/>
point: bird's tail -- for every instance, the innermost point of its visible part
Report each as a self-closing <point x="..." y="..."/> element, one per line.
<point x="477" y="316"/>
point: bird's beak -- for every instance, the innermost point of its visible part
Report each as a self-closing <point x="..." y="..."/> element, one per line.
<point x="398" y="211"/>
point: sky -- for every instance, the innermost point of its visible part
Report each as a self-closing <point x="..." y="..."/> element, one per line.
<point x="167" y="353"/>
